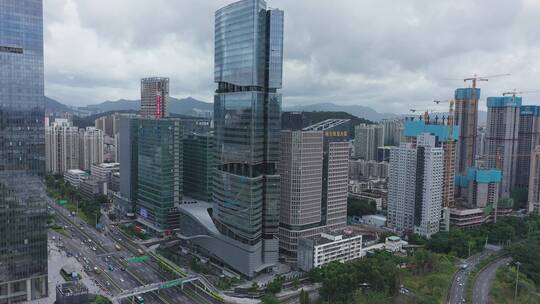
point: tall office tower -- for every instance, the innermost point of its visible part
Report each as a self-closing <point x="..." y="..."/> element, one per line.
<point x="415" y="187"/>
<point x="247" y="110"/>
<point x="23" y="212"/>
<point x="392" y="132"/>
<point x="466" y="117"/>
<point x="199" y="165"/>
<point x="528" y="139"/>
<point x="301" y="170"/>
<point x="159" y="171"/>
<point x="90" y="147"/>
<point x="335" y="171"/>
<point x="533" y="200"/>
<point x="61" y="146"/>
<point x="367" y="139"/>
<point x="155" y="97"/>
<point x="502" y="138"/>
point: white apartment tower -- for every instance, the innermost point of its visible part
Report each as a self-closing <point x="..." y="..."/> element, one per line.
<point x="61" y="146"/>
<point x="90" y="147"/>
<point x="415" y="187"/>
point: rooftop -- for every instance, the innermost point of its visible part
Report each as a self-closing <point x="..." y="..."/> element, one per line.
<point x="71" y="288"/>
<point x="330" y="237"/>
<point x="326" y="124"/>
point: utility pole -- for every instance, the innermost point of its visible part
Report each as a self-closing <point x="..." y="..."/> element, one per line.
<point x="517" y="280"/>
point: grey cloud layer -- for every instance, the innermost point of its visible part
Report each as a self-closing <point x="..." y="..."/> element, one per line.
<point x="385" y="54"/>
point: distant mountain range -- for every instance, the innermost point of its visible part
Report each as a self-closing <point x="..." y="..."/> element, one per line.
<point x="356" y="110"/>
<point x="193" y="107"/>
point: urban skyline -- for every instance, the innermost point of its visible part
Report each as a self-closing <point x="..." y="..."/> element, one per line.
<point x="250" y="203"/>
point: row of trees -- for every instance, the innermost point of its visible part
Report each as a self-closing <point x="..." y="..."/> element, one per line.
<point x="58" y="189"/>
<point x="457" y="242"/>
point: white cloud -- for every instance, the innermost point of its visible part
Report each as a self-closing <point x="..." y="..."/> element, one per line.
<point x="387" y="55"/>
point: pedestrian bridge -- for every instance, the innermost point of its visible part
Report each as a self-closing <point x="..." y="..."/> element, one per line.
<point x="155" y="286"/>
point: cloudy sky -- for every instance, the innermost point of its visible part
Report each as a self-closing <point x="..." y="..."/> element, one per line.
<point x="389" y="55"/>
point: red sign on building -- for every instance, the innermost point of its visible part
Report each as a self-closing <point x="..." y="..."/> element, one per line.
<point x="158" y="106"/>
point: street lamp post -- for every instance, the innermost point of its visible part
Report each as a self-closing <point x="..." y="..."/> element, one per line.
<point x="517" y="280"/>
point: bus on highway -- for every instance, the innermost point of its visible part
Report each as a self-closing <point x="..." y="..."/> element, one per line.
<point x="139" y="300"/>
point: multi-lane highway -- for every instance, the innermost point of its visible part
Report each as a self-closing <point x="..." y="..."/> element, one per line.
<point x="484" y="280"/>
<point x="103" y="261"/>
<point x="459" y="285"/>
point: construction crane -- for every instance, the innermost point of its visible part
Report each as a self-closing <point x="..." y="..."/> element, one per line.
<point x="475" y="78"/>
<point x="515" y="92"/>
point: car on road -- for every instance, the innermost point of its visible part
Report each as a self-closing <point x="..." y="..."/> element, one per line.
<point x="94" y="249"/>
<point x="464" y="266"/>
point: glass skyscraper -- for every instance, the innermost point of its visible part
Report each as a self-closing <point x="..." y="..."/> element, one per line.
<point x="247" y="110"/>
<point x="23" y="212"/>
<point x="159" y="171"/>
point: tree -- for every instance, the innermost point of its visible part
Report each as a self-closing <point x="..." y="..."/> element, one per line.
<point x="519" y="195"/>
<point x="102" y="300"/>
<point x="254" y="287"/>
<point x="275" y="286"/>
<point x="269" y="299"/>
<point x="360" y="207"/>
<point x="304" y="297"/>
<point x="371" y="297"/>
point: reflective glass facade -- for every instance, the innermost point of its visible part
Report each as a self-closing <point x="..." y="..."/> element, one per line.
<point x="247" y="110"/>
<point x="23" y="212"/>
<point x="199" y="164"/>
<point x="159" y="170"/>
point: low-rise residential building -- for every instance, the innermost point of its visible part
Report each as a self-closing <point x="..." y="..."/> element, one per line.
<point x="473" y="217"/>
<point x="91" y="188"/>
<point x="103" y="172"/>
<point x="74" y="177"/>
<point x="322" y="249"/>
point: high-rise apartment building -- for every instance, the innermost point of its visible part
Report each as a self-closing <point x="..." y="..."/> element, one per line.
<point x="159" y="171"/>
<point x="415" y="187"/>
<point x="443" y="134"/>
<point x="61" y="146"/>
<point x="247" y="109"/>
<point x="90" y="147"/>
<point x="155" y="97"/>
<point x="528" y="139"/>
<point x="199" y="165"/>
<point x="301" y="170"/>
<point x="502" y="138"/>
<point x="483" y="187"/>
<point x="367" y="139"/>
<point x="393" y="132"/>
<point x="23" y="212"/>
<point x="533" y="200"/>
<point x="466" y="117"/>
<point x="109" y="124"/>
